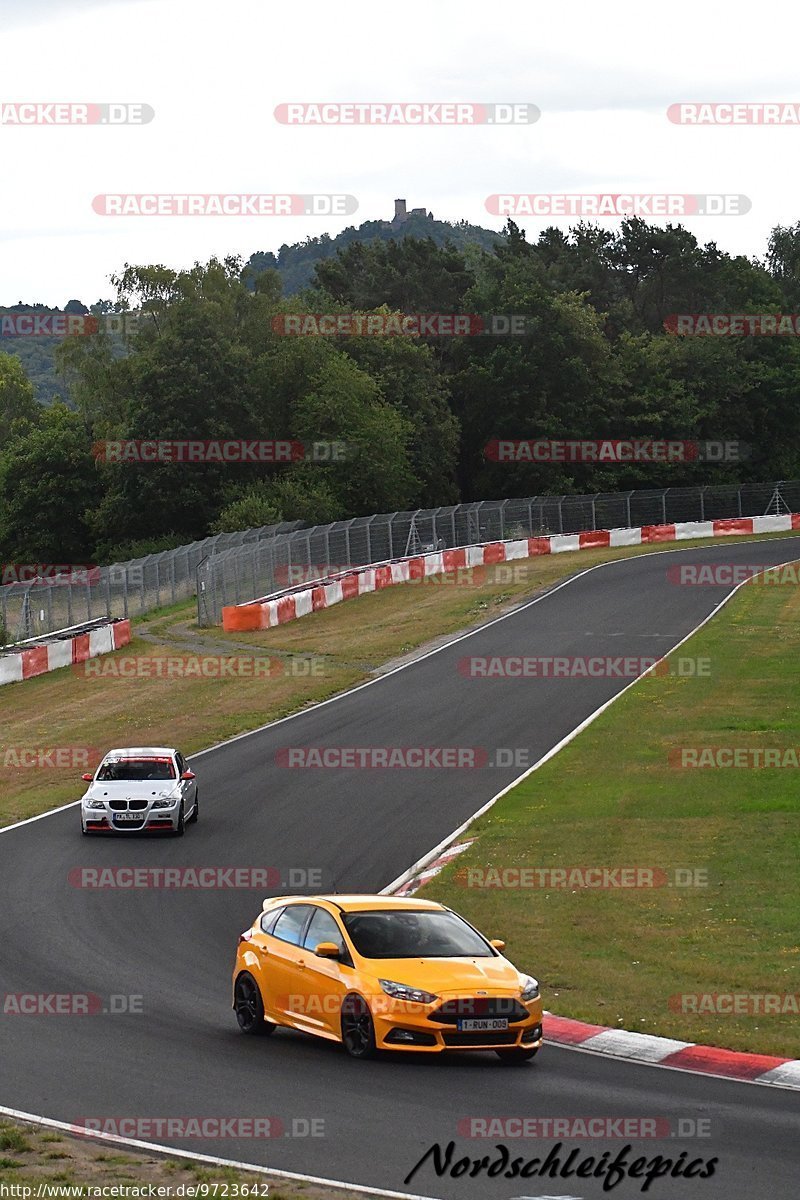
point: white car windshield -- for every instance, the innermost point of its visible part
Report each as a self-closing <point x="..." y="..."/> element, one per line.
<point x="122" y="770"/>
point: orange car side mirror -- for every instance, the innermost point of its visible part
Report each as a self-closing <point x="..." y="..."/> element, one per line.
<point x="327" y="950"/>
<point x="498" y="944"/>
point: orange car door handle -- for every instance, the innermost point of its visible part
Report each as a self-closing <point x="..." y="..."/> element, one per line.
<point x="301" y="965"/>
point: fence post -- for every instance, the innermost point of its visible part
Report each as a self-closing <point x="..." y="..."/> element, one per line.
<point x="664" y="506"/>
<point x="628" y="506"/>
<point x="702" y="504"/>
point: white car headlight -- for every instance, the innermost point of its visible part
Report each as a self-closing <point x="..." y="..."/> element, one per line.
<point x="95" y="803"/>
<point x="401" y="991"/>
<point x="530" y="988"/>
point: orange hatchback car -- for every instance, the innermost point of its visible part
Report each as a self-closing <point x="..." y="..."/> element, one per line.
<point x="383" y="973"/>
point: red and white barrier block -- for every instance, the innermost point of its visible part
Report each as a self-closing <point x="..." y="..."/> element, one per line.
<point x="63" y="652"/>
<point x="289" y="605"/>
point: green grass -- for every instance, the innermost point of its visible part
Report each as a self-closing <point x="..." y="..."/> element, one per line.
<point x="12" y="1138"/>
<point x="611" y="798"/>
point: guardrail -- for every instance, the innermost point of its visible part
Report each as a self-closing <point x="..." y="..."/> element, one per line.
<point x="65" y="649"/>
<point x="238" y="575"/>
<point x="45" y="604"/>
<point x="299" y="601"/>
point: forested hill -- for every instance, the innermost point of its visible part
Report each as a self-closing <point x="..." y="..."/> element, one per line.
<point x="636" y="333"/>
<point x="296" y="264"/>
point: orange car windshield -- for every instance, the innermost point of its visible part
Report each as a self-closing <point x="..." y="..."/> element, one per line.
<point x="414" y="934"/>
<point x="125" y="770"/>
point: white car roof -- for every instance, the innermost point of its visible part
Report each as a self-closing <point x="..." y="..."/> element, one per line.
<point x="142" y="752"/>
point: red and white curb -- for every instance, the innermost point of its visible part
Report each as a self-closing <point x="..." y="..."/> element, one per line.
<point x="63" y="652"/>
<point x="668" y="1052"/>
<point x="639" y="1047"/>
<point x="289" y="605"/>
<point x="413" y="885"/>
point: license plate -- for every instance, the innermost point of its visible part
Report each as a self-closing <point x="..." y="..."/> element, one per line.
<point x="482" y="1024"/>
<point x="129" y="816"/>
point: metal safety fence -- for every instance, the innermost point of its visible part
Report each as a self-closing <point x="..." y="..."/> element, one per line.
<point x="47" y="603"/>
<point x="260" y="568"/>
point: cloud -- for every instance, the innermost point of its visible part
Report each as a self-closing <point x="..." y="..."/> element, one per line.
<point x="17" y="14"/>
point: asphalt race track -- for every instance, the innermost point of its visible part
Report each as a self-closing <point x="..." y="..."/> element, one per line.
<point x="361" y="828"/>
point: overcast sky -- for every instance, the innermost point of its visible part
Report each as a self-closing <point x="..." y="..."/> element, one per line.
<point x="603" y="76"/>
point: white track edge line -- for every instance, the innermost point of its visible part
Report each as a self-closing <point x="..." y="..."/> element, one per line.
<point x="253" y="1168"/>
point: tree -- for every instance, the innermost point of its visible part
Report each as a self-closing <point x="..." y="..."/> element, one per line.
<point x="17" y="403"/>
<point x="48" y="482"/>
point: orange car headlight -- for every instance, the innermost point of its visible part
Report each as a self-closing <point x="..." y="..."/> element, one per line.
<point x="401" y="991"/>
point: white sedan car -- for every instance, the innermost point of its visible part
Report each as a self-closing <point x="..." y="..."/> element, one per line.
<point x="150" y="788"/>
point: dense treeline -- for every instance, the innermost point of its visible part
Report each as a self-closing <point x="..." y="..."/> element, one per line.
<point x="210" y="360"/>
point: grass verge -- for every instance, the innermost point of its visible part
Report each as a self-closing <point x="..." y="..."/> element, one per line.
<point x="643" y="958"/>
<point x="36" y="1157"/>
